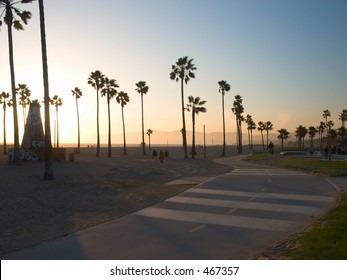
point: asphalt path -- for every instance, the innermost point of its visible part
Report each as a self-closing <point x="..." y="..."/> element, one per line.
<point x="232" y="216"/>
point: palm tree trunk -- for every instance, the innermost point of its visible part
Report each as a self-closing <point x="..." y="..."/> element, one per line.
<point x="240" y="136"/>
<point x="16" y="159"/>
<point x="5" y="144"/>
<point x="97" y="124"/>
<point x="48" y="173"/>
<point x="124" y="142"/>
<point x="57" y="127"/>
<point x="262" y="139"/>
<point x="143" y="128"/>
<point x="223" y="151"/>
<point x="78" y="128"/>
<point x="109" y="152"/>
<point x="184" y="132"/>
<point x="193" y="137"/>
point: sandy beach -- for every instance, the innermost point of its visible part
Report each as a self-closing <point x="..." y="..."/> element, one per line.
<point x="90" y="191"/>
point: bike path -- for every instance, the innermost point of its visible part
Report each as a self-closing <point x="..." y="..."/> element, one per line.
<point x="232" y="216"/>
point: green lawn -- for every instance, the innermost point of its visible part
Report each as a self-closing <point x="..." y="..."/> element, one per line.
<point x="312" y="165"/>
<point x="327" y="238"/>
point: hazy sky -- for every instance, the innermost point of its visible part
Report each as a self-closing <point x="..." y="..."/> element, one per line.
<point x="286" y="58"/>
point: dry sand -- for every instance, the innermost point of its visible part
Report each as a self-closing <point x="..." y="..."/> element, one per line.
<point x="89" y="191"/>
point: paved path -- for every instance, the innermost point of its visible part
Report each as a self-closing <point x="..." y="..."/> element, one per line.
<point x="232" y="216"/>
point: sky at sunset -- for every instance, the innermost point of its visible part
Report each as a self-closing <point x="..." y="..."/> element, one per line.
<point x="286" y="58"/>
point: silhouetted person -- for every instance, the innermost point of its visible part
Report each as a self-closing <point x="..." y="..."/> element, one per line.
<point x="166" y="153"/>
<point x="271" y="147"/>
<point x="154" y="153"/>
<point x="161" y="156"/>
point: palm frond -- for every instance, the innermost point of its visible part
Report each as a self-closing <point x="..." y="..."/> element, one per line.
<point x="17" y="25"/>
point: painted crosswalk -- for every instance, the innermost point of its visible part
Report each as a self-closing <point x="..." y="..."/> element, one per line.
<point x="241" y="209"/>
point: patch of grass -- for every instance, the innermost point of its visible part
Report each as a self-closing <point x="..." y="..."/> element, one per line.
<point x="311" y="165"/>
<point x="326" y="240"/>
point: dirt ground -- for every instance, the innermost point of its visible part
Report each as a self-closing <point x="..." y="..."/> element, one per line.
<point x="89" y="191"/>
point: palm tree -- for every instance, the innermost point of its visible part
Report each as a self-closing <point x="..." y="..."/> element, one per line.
<point x="10" y="10"/>
<point x="250" y="127"/>
<point x="77" y="93"/>
<point x="149" y="132"/>
<point x="312" y="131"/>
<point x="5" y="101"/>
<point x="300" y="133"/>
<point x="238" y="109"/>
<point x="283" y="135"/>
<point x="326" y="114"/>
<point x="109" y="90"/>
<point x="24" y="99"/>
<point x="96" y="80"/>
<point x="183" y="70"/>
<point x="320" y="130"/>
<point x="343" y="117"/>
<point x="268" y="127"/>
<point x="123" y="98"/>
<point x="142" y="89"/>
<point x="261" y="128"/>
<point x="56" y="102"/>
<point x="223" y="88"/>
<point x="48" y="171"/>
<point x="195" y="106"/>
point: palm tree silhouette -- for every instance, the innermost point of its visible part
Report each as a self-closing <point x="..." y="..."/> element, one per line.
<point x="149" y="132"/>
<point x="312" y="131"/>
<point x="250" y="127"/>
<point x="6" y="102"/>
<point x="183" y="70"/>
<point x="109" y="90"/>
<point x="123" y="98"/>
<point x="96" y="80"/>
<point x="261" y="128"/>
<point x="56" y="102"/>
<point x="10" y="10"/>
<point x="195" y="106"/>
<point x="77" y="93"/>
<point x="238" y="109"/>
<point x="268" y="126"/>
<point x="24" y="99"/>
<point x="142" y="88"/>
<point x="283" y="135"/>
<point x="48" y="171"/>
<point x="223" y="88"/>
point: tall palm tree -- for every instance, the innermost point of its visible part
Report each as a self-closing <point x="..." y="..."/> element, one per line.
<point x="261" y="128"/>
<point x="195" y="106"/>
<point x="149" y="133"/>
<point x="300" y="133"/>
<point x="238" y="109"/>
<point x="223" y="88"/>
<point x="312" y="131"/>
<point x="96" y="80"/>
<point x="268" y="127"/>
<point x="6" y="102"/>
<point x="24" y="99"/>
<point x="183" y="70"/>
<point x="77" y="93"/>
<point x="250" y="127"/>
<point x="123" y="98"/>
<point x="109" y="90"/>
<point x="343" y="117"/>
<point x="56" y="101"/>
<point x="48" y="171"/>
<point x="283" y="135"/>
<point x="320" y="130"/>
<point x="11" y="11"/>
<point x="142" y="89"/>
